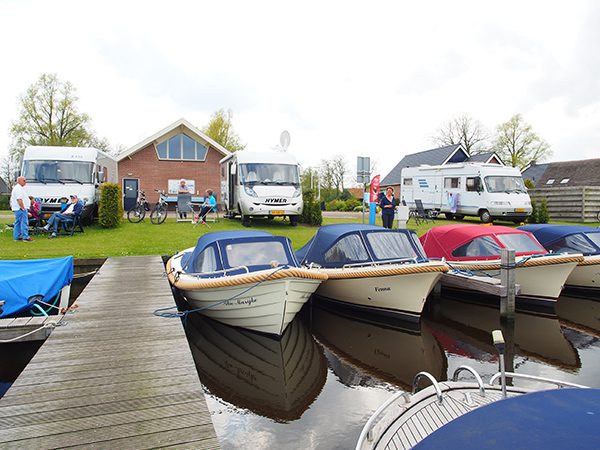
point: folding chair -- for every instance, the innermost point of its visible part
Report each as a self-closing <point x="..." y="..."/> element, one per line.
<point x="183" y="208"/>
<point x="70" y="225"/>
<point x="419" y="213"/>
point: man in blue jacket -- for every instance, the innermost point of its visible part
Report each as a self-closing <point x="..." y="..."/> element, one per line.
<point x="74" y="208"/>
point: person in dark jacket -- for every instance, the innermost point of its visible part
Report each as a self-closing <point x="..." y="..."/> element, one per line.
<point x="387" y="206"/>
<point x="75" y="207"/>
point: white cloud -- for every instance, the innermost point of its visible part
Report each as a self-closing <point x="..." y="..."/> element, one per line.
<point x="343" y="77"/>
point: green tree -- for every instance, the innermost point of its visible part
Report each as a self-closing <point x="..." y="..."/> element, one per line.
<point x="518" y="145"/>
<point x="48" y="115"/>
<point x="220" y="129"/>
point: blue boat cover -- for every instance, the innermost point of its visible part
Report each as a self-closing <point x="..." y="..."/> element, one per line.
<point x="328" y="235"/>
<point x="220" y="239"/>
<point x="548" y="234"/>
<point x="22" y="280"/>
<point x="554" y="419"/>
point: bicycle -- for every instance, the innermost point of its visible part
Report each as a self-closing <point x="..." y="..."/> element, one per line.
<point x="159" y="213"/>
<point x="138" y="212"/>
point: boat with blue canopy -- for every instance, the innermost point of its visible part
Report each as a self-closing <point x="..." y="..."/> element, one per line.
<point x="38" y="286"/>
<point x="573" y="239"/>
<point x="372" y="267"/>
<point x="247" y="278"/>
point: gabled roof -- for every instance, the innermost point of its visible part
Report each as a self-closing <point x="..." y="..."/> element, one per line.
<point x="487" y="157"/>
<point x="433" y="157"/>
<point x="185" y="126"/>
<point x="573" y="173"/>
<point x="534" y="172"/>
<point x="3" y="186"/>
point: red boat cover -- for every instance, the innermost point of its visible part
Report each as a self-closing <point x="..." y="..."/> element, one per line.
<point x="440" y="242"/>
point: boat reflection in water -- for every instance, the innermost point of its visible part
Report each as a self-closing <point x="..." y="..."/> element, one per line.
<point x="360" y="346"/>
<point x="272" y="377"/>
<point x="580" y="312"/>
<point x="468" y="326"/>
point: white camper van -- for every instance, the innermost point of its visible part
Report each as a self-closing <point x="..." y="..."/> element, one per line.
<point x="261" y="184"/>
<point x="489" y="191"/>
<point x="54" y="173"/>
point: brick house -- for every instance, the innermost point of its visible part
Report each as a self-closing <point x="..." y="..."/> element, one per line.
<point x="159" y="162"/>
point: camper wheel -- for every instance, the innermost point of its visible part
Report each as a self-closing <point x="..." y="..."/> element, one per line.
<point x="485" y="216"/>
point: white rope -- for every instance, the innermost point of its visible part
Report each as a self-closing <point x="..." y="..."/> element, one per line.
<point x="46" y="325"/>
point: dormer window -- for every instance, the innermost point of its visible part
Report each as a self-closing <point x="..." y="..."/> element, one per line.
<point x="181" y="147"/>
<point x="564" y="180"/>
<point x="550" y="181"/>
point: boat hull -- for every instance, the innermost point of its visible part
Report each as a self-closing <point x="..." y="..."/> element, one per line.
<point x="542" y="277"/>
<point x="402" y="293"/>
<point x="586" y="275"/>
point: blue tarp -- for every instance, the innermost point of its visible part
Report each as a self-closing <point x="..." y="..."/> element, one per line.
<point x="548" y="234"/>
<point x="21" y="280"/>
<point x="555" y="419"/>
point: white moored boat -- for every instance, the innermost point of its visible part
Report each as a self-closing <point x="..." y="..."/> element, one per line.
<point x="373" y="267"/>
<point x="248" y="279"/>
<point x="476" y="248"/>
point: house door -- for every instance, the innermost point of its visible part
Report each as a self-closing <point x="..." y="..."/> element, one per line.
<point x="130" y="192"/>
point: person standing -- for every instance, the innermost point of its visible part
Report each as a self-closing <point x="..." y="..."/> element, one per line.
<point x="20" y="203"/>
<point x="387" y="208"/>
<point x="183" y="189"/>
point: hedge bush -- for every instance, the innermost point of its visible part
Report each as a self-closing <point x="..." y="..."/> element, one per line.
<point x="311" y="213"/>
<point x="543" y="214"/>
<point x="4" y="201"/>
<point x="533" y="217"/>
<point x="110" y="211"/>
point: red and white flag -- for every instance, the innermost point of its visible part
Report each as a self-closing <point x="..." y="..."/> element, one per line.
<point x="375" y="188"/>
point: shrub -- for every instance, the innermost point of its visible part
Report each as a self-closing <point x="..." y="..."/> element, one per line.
<point x="529" y="184"/>
<point x="543" y="215"/>
<point x="351" y="203"/>
<point x="4" y="201"/>
<point x="335" y="205"/>
<point x="533" y="218"/>
<point x="311" y="213"/>
<point x="110" y="211"/>
<point x="359" y="208"/>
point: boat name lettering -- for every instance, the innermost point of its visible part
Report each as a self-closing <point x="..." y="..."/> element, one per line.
<point x="246" y="301"/>
<point x="382" y="289"/>
<point x="378" y="352"/>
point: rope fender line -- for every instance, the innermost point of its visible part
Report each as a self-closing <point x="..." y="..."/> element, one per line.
<point x="548" y="261"/>
<point x="52" y="325"/>
<point x="590" y="261"/>
<point x="385" y="272"/>
<point x="235" y="280"/>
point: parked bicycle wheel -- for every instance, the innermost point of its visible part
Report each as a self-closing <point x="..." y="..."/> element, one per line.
<point x="136" y="214"/>
<point x="158" y="214"/>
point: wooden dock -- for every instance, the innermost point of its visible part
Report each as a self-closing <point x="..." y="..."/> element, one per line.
<point x="115" y="376"/>
<point x="35" y="328"/>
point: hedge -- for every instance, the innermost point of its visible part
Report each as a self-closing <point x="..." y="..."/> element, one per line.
<point x="110" y="211"/>
<point x="4" y="201"/>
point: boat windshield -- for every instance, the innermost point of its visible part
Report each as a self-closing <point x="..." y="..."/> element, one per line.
<point x="520" y="243"/>
<point x="269" y="174"/>
<point x="348" y="250"/>
<point x="387" y="245"/>
<point x="481" y="246"/>
<point x="53" y="171"/>
<point x="256" y="254"/>
<point x="504" y="184"/>
<point x="576" y="243"/>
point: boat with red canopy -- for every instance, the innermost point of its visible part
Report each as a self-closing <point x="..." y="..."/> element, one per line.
<point x="476" y="248"/>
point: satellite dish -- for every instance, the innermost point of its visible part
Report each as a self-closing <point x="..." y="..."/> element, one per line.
<point x="284" y="140"/>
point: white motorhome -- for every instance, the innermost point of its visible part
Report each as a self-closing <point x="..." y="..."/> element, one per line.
<point x="490" y="191"/>
<point x="54" y="173"/>
<point x="261" y="184"/>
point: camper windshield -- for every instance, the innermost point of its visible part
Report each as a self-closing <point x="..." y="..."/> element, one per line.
<point x="58" y="171"/>
<point x="271" y="174"/>
<point x="504" y="184"/>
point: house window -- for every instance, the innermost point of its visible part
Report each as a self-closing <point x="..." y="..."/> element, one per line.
<point x="564" y="180"/>
<point x="450" y="183"/>
<point x="407" y="182"/>
<point x="181" y="147"/>
<point x="550" y="181"/>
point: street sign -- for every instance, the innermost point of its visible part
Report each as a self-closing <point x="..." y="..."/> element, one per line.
<point x="363" y="169"/>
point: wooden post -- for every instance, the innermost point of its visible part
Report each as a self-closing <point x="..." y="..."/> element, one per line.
<point x="507" y="277"/>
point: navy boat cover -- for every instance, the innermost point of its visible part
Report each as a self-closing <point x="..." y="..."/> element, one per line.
<point x="315" y="251"/>
<point x="220" y="241"/>
<point x="22" y="281"/>
<point x="549" y="235"/>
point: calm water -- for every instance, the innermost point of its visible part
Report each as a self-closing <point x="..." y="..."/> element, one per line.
<point x="317" y="386"/>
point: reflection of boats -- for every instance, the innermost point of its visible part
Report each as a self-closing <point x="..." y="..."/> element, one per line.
<point x="39" y="286"/>
<point x="541" y="337"/>
<point x="248" y="279"/>
<point x="477" y="248"/>
<point x="459" y="414"/>
<point x="276" y="378"/>
<point x="581" y="313"/>
<point x="373" y="267"/>
<point x="573" y="239"/>
<point x="392" y="354"/>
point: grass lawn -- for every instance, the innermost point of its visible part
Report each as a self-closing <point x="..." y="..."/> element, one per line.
<point x="147" y="239"/>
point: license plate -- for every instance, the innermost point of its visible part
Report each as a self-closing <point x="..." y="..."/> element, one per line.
<point x="519" y="209"/>
<point x="276" y="213"/>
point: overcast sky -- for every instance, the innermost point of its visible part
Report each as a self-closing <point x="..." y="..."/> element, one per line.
<point x="354" y="78"/>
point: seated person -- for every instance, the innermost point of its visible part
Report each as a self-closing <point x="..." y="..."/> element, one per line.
<point x="183" y="189"/>
<point x="33" y="214"/>
<point x="75" y="207"/>
<point x="210" y="204"/>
